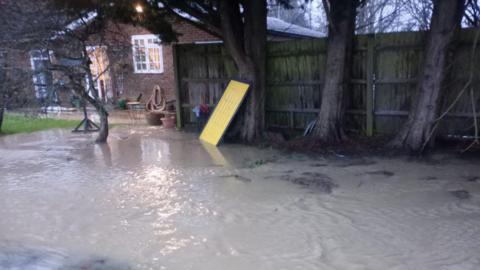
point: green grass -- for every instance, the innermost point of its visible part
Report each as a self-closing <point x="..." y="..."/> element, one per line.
<point x="14" y="123"/>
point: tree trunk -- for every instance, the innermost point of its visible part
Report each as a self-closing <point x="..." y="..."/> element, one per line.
<point x="3" y="96"/>
<point x="246" y="43"/>
<point x="103" y="133"/>
<point x="2" y="111"/>
<point x="418" y="133"/>
<point x="255" y="48"/>
<point x="329" y="123"/>
<point x="100" y="108"/>
<point x="97" y="104"/>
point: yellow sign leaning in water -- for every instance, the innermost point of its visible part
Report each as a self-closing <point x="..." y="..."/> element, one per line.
<point x="224" y="112"/>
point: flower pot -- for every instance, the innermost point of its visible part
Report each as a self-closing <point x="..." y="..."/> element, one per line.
<point x="169" y="122"/>
<point x="154" y="118"/>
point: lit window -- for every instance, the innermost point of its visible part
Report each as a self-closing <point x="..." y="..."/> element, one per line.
<point x="147" y="54"/>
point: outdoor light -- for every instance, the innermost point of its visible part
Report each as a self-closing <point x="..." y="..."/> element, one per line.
<point x="139" y="8"/>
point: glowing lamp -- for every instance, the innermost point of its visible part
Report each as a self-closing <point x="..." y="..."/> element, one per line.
<point x="139" y="8"/>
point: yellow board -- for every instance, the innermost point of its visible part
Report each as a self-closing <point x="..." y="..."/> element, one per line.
<point x="224" y="112"/>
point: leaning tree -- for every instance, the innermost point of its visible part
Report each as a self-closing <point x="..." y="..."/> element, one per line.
<point x="418" y="133"/>
<point x="92" y="24"/>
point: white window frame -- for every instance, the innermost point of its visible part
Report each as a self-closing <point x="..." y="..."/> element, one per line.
<point x="147" y="46"/>
<point x="33" y="58"/>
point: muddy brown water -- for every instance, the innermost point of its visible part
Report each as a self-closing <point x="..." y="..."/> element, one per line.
<point x="157" y="199"/>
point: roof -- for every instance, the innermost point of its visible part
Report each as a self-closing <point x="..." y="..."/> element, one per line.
<point x="275" y="27"/>
<point x="280" y="27"/>
<point x="74" y="25"/>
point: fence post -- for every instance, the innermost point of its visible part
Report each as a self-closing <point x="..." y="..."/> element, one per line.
<point x="176" y="78"/>
<point x="370" y="84"/>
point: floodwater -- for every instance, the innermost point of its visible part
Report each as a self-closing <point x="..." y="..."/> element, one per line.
<point x="157" y="199"/>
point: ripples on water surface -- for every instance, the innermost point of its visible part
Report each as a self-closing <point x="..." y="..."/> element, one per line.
<point x="153" y="199"/>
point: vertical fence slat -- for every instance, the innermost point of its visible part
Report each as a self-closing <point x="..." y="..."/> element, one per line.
<point x="370" y="84"/>
<point x="178" y="102"/>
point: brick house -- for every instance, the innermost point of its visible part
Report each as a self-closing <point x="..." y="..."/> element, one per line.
<point x="143" y="65"/>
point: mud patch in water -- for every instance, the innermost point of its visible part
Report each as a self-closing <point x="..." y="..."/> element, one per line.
<point x="314" y="181"/>
<point x="381" y="173"/>
<point x="471" y="178"/>
<point x="461" y="194"/>
<point x="237" y="177"/>
<point x="318" y="165"/>
<point x="343" y="163"/>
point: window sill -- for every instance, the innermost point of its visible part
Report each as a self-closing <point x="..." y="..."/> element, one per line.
<point x="148" y="72"/>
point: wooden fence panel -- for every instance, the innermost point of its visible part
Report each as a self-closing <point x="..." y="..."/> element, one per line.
<point x="356" y="90"/>
<point x="378" y="97"/>
<point x="460" y="119"/>
<point x="397" y="62"/>
<point x="295" y="72"/>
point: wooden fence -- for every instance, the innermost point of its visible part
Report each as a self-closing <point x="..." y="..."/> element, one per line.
<point x="383" y="81"/>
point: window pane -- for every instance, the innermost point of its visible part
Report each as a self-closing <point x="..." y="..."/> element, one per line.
<point x="42" y="77"/>
<point x="154" y="58"/>
<point x="140" y="57"/>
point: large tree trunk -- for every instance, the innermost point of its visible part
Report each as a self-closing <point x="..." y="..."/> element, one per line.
<point x="255" y="48"/>
<point x="329" y="123"/>
<point x="418" y="133"/>
<point x="246" y="43"/>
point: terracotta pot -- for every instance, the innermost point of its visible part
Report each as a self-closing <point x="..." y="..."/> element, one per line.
<point x="154" y="119"/>
<point x="169" y="122"/>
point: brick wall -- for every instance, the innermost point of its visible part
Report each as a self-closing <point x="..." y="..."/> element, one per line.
<point x="131" y="83"/>
<point x="18" y="74"/>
